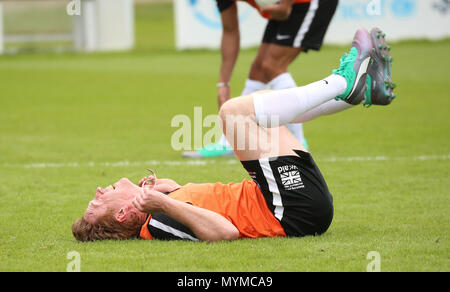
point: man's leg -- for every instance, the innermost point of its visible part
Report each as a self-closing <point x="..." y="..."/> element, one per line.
<point x="284" y="81"/>
<point x="327" y="108"/>
<point x="271" y="63"/>
<point x="264" y="112"/>
<point x="303" y="30"/>
<point x="347" y="83"/>
<point x="270" y="67"/>
<point x="268" y="71"/>
<point x="381" y="94"/>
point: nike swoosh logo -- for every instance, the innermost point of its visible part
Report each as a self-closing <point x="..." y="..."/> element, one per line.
<point x="362" y="70"/>
<point x="282" y="37"/>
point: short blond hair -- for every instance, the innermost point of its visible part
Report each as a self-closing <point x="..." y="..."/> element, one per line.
<point x="105" y="227"/>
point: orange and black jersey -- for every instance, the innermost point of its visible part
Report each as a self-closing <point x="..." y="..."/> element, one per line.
<point x="240" y="203"/>
<point x="287" y="197"/>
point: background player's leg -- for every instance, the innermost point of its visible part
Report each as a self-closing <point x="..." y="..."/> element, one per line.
<point x="256" y="70"/>
<point x="273" y="64"/>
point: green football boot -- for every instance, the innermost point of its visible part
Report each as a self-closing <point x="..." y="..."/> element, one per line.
<point x="354" y="66"/>
<point x="379" y="79"/>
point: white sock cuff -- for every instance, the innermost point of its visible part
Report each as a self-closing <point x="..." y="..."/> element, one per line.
<point x="282" y="81"/>
<point x="265" y="102"/>
<point x="338" y="81"/>
<point x="284" y="105"/>
<point x="258" y="105"/>
<point x="253" y="85"/>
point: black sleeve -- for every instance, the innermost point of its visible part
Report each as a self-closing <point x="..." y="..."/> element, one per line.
<point x="224" y="4"/>
<point x="163" y="227"/>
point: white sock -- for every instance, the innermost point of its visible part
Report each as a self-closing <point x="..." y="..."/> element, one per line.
<point x="282" y="81"/>
<point x="287" y="104"/>
<point x="253" y="85"/>
<point x="327" y="108"/>
<point x="285" y="81"/>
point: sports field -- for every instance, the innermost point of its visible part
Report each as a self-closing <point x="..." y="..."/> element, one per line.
<point x="72" y="122"/>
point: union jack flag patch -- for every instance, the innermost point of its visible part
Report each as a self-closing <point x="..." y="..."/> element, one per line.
<point x="291" y="180"/>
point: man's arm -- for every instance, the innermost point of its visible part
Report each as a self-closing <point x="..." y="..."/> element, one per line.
<point x="229" y="49"/>
<point x="206" y="225"/>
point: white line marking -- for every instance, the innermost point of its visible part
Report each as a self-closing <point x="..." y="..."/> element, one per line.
<point x="203" y="162"/>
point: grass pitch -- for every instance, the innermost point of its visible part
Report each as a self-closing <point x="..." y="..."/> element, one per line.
<point x="71" y="122"/>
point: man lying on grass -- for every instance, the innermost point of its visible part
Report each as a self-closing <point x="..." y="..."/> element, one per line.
<point x="287" y="196"/>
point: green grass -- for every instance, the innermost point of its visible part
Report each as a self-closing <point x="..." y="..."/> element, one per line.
<point x="95" y="109"/>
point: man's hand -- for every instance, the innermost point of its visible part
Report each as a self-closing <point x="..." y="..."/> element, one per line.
<point x="163" y="185"/>
<point x="280" y="11"/>
<point x="149" y="201"/>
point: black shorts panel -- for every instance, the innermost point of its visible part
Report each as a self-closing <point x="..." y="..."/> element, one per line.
<point x="295" y="191"/>
<point x="305" y="28"/>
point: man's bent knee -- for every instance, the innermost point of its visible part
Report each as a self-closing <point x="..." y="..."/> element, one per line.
<point x="236" y="115"/>
<point x="242" y="106"/>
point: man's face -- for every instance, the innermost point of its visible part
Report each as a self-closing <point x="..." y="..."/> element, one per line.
<point x="118" y="198"/>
